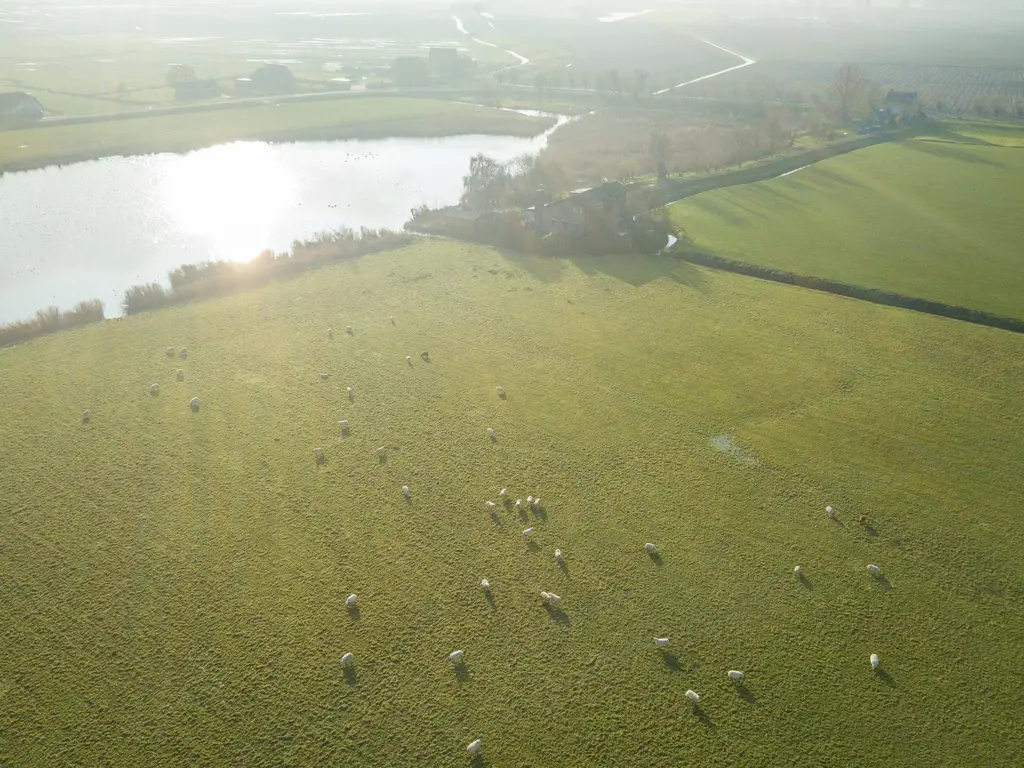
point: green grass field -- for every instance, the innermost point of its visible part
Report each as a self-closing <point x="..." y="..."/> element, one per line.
<point x="936" y="218"/>
<point x="173" y="582"/>
<point x="359" y="117"/>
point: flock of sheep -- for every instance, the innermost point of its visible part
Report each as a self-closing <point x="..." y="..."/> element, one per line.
<point x="457" y="657"/>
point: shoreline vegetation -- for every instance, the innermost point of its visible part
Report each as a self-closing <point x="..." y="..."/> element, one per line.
<point x="213" y="278"/>
<point x="366" y="118"/>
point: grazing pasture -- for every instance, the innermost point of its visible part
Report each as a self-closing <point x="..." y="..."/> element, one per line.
<point x="935" y="218"/>
<point x="175" y="579"/>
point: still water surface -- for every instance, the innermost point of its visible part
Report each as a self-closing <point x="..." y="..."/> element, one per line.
<point x="94" y="229"/>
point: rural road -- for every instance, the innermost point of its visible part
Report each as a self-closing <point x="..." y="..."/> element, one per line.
<point x="746" y="63"/>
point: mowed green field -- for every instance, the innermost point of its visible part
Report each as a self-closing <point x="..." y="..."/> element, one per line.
<point x="339" y="119"/>
<point x="174" y="583"/>
<point x="937" y="219"/>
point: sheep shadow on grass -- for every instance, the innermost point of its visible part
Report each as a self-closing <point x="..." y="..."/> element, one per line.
<point x="350" y="676"/>
<point x="564" y="568"/>
<point x="532" y="546"/>
<point x="702" y="716"/>
<point x="497" y="520"/>
<point x="805" y="582"/>
<point x="382" y="459"/>
<point x="885" y="583"/>
<point x="478" y="761"/>
<point x="746" y="694"/>
<point x="461" y="672"/>
<point x="885" y="677"/>
<point x="490" y="600"/>
<point x="353" y="612"/>
<point x="557" y="614"/>
<point x="540" y="513"/>
<point x="656" y="558"/>
<point x="671" y="661"/>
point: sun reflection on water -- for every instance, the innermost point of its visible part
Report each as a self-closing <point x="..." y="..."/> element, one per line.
<point x="230" y="197"/>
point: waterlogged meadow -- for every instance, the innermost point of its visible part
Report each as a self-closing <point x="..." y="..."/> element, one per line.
<point x="174" y="582"/>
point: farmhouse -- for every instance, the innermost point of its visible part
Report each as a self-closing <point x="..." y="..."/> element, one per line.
<point x="272" y="78"/>
<point x="902" y="104"/>
<point x="570" y="214"/>
<point x="18" y="109"/>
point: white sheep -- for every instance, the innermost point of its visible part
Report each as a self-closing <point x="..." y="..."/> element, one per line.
<point x="180" y="374"/>
<point x="519" y="503"/>
<point x="456" y="656"/>
<point x="693" y="696"/>
<point x="347" y="659"/>
<point x="408" y="359"/>
<point x="170" y="351"/>
<point x="528" y="532"/>
<point x="154" y="389"/>
<point x="319" y="453"/>
<point x="490" y="505"/>
<point x="874" y="570"/>
<point x="474" y="747"/>
<point x="86" y="416"/>
<point x="348" y="330"/>
<point x="529" y="500"/>
<point x="344" y="425"/>
<point x="651" y="548"/>
<point x="830" y="512"/>
<point x="350" y="601"/>
<point x="559" y="557"/>
<point x="194" y="403"/>
<point x="392" y="319"/>
<point x="798" y="571"/>
<point x="324" y="376"/>
<point x="485" y="585"/>
<point x="661" y="642"/>
<point x="382" y="451"/>
<point x="490" y="432"/>
<point x="735" y="675"/>
<point x="349" y="391"/>
<point x="501" y="391"/>
<point x="406" y="492"/>
<point x="183" y="353"/>
<point x="550" y="598"/>
<point x="503" y="492"/>
<point x="875" y="661"/>
<point x="330" y="333"/>
<point x="536" y="503"/>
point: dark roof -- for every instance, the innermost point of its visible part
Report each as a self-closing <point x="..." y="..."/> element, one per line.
<point x="901" y="97"/>
<point x="16" y="99"/>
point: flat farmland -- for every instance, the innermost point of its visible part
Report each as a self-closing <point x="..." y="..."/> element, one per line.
<point x="935" y="218"/>
<point x="174" y="582"/>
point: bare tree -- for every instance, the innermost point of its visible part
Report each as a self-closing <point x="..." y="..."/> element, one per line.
<point x="640" y="77"/>
<point x="614" y="84"/>
<point x="659" y="149"/>
<point x="852" y="88"/>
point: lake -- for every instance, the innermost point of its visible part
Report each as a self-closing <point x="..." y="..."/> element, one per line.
<point x="94" y="229"/>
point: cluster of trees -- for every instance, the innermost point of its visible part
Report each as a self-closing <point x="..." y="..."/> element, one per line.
<point x="491" y="185"/>
<point x="51" y="320"/>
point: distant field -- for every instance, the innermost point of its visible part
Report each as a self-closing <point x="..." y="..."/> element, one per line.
<point x="173" y="582"/>
<point x="936" y="218"/>
<point x="357" y="117"/>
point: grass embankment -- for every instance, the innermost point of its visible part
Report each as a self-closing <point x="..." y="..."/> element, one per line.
<point x="934" y="218"/>
<point x="347" y="118"/>
<point x="174" y="582"/>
